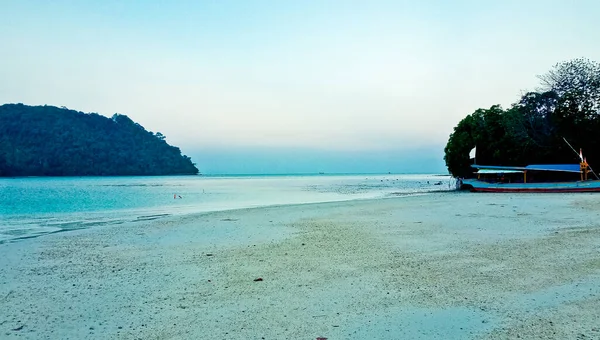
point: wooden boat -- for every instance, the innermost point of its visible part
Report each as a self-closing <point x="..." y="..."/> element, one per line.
<point x="532" y="178"/>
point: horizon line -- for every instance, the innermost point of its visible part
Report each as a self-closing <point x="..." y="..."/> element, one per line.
<point x="322" y="174"/>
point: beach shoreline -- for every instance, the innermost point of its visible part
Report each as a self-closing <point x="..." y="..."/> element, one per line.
<point x="454" y="265"/>
<point x="52" y="205"/>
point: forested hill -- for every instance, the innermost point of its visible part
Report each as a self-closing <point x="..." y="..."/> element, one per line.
<point x="51" y="141"/>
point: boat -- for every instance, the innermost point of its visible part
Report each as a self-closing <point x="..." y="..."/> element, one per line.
<point x="532" y="178"/>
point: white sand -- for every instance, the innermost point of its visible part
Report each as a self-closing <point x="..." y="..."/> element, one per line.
<point x="446" y="266"/>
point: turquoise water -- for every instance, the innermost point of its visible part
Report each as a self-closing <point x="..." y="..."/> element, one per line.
<point x="32" y="207"/>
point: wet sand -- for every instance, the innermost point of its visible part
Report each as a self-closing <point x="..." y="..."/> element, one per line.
<point x="444" y="265"/>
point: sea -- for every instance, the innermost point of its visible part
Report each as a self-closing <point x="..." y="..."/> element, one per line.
<point x="36" y="206"/>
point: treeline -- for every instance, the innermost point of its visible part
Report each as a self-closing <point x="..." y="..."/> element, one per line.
<point x="533" y="130"/>
<point x="51" y="141"/>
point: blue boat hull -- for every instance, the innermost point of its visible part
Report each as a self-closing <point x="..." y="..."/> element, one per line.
<point x="579" y="186"/>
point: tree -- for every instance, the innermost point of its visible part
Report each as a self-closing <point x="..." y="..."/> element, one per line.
<point x="482" y="129"/>
<point x="537" y="110"/>
<point x="577" y="81"/>
<point x="533" y="130"/>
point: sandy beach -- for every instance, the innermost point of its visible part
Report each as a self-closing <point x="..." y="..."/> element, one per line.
<point x="437" y="266"/>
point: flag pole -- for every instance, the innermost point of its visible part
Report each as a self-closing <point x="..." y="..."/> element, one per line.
<point x="580" y="157"/>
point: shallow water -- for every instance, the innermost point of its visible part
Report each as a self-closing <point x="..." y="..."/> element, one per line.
<point x="424" y="323"/>
<point x="31" y="207"/>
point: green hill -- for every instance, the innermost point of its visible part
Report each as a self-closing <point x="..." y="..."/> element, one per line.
<point x="51" y="141"/>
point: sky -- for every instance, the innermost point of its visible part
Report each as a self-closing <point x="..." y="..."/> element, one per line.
<point x="252" y="86"/>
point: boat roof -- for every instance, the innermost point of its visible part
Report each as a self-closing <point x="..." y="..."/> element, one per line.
<point x="533" y="167"/>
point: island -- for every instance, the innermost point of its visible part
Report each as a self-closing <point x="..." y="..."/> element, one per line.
<point x="52" y="141"/>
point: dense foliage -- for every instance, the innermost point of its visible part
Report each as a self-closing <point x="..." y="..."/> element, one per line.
<point x="566" y="106"/>
<point x="51" y="141"/>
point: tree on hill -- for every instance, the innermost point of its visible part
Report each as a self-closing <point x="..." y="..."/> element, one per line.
<point x="51" y="141"/>
<point x="532" y="130"/>
<point x="578" y="81"/>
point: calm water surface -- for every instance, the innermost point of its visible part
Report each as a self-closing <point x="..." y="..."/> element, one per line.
<point x="32" y="207"/>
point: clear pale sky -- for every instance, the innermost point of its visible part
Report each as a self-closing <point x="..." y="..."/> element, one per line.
<point x="290" y="86"/>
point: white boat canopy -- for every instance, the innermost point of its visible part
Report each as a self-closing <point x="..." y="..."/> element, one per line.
<point x="498" y="171"/>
